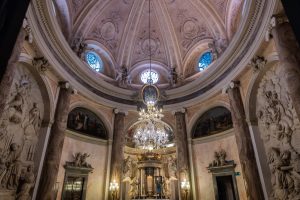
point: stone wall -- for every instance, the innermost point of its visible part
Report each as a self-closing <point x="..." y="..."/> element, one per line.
<point x="203" y="154"/>
<point x="98" y="159"/>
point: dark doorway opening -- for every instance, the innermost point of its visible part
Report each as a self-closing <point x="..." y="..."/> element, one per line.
<point x="225" y="188"/>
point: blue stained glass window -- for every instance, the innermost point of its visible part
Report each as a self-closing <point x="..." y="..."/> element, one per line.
<point x="94" y="61"/>
<point x="205" y="60"/>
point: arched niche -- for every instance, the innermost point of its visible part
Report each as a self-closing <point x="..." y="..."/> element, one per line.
<point x="213" y="121"/>
<point x="86" y="122"/>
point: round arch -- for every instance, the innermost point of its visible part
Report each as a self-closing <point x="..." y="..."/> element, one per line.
<point x="98" y="113"/>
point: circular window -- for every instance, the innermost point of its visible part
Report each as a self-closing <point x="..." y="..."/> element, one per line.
<point x="94" y="61"/>
<point x="205" y="60"/>
<point x="150" y="78"/>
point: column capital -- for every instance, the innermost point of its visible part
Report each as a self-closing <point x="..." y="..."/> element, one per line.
<point x="180" y="110"/>
<point x="231" y="85"/>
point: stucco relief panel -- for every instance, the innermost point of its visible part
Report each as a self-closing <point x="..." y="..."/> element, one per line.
<point x="188" y="23"/>
<point x="280" y="128"/>
<point x="220" y="6"/>
<point x="108" y="27"/>
<point x="144" y="47"/>
<point x="19" y="132"/>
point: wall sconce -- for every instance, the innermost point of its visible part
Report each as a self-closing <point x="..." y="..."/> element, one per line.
<point x="114" y="187"/>
<point x="185" y="186"/>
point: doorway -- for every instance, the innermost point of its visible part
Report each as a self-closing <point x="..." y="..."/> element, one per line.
<point x="225" y="187"/>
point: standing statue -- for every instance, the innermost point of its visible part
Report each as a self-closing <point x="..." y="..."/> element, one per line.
<point x="173" y="76"/>
<point x="26" y="183"/>
<point x="172" y="168"/>
<point x="166" y="187"/>
<point x="122" y="76"/>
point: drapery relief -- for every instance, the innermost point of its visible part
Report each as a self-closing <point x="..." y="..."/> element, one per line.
<point x="19" y="129"/>
<point x="280" y="128"/>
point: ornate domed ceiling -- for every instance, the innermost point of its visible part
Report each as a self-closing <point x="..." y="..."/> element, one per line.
<point x="183" y="34"/>
<point x="180" y="32"/>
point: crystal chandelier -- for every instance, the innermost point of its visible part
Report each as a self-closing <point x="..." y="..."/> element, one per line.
<point x="151" y="132"/>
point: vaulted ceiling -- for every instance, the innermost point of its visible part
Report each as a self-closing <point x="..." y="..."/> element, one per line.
<point x="181" y="30"/>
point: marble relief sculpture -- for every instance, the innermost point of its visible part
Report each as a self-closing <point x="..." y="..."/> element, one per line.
<point x="220" y="159"/>
<point x="19" y="129"/>
<point x="80" y="160"/>
<point x="279" y="127"/>
<point x="27" y="180"/>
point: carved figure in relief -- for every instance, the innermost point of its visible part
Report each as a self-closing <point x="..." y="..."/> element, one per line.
<point x="12" y="168"/>
<point x="27" y="180"/>
<point x="16" y="107"/>
<point x="134" y="187"/>
<point x="34" y="118"/>
<point x="278" y="125"/>
<point x="129" y="169"/>
<point x="220" y="159"/>
<point x="80" y="160"/>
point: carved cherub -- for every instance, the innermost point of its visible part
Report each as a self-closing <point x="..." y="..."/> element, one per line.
<point x="83" y="160"/>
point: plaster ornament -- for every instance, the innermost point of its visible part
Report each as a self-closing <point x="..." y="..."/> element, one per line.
<point x="80" y="160"/>
<point x="27" y="28"/>
<point x="258" y="63"/>
<point x="107" y="31"/>
<point x="220" y="159"/>
<point x="41" y="64"/>
<point x="191" y="29"/>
